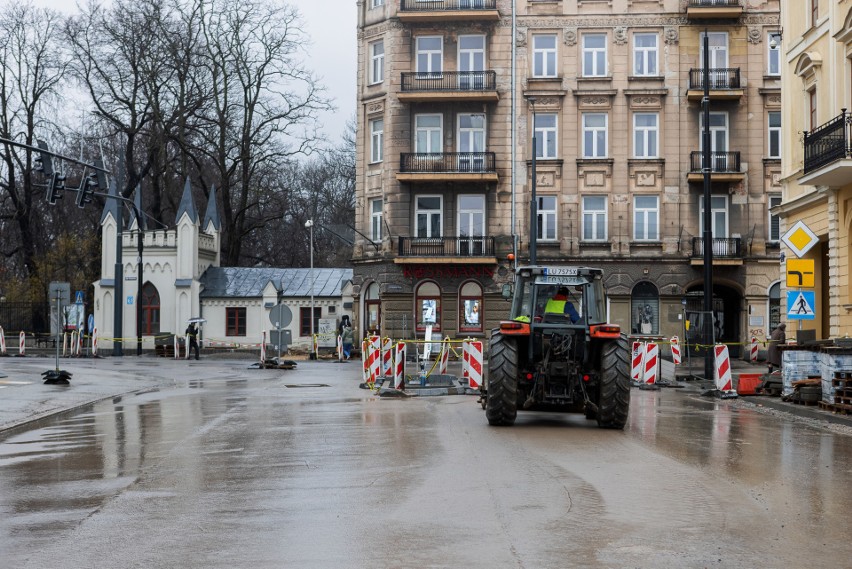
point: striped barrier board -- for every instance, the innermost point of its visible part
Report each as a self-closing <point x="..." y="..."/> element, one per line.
<point x="752" y="355"/>
<point x="387" y="357"/>
<point x="466" y="359"/>
<point x="722" y="370"/>
<point x="638" y="353"/>
<point x="676" y="359"/>
<point x="22" y="343"/>
<point x="2" y="341"/>
<point x="475" y="365"/>
<point x="399" y="366"/>
<point x="445" y="356"/>
<point x="94" y="342"/>
<point x="365" y="368"/>
<point x="374" y="358"/>
<point x="651" y="361"/>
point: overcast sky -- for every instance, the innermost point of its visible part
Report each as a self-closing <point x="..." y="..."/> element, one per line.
<point x="332" y="26"/>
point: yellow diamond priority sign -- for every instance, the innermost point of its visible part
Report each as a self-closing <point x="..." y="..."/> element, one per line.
<point x="800" y="238"/>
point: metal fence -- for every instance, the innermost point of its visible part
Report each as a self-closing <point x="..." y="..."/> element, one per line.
<point x="442" y="5"/>
<point x="30" y="317"/>
<point x="829" y="142"/>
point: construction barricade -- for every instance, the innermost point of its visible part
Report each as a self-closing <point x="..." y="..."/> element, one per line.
<point x="387" y="357"/>
<point x="399" y="366"/>
<point x="752" y="354"/>
<point x="637" y="357"/>
<point x="474" y="364"/>
<point x="95" y="343"/>
<point x="675" y="345"/>
<point x="722" y="371"/>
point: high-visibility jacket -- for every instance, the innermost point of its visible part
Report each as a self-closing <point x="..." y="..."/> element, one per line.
<point x="555" y="306"/>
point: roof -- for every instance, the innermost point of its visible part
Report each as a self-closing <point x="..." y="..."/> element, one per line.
<point x="248" y="282"/>
<point x="187" y="206"/>
<point x="212" y="215"/>
<point x="111" y="205"/>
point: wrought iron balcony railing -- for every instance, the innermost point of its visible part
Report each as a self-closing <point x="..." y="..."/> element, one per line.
<point x="713" y="4"/>
<point x="723" y="248"/>
<point x="718" y="78"/>
<point x="474" y="246"/>
<point x="449" y="81"/>
<point x="829" y="142"/>
<point x="447" y="162"/>
<point x="446" y="5"/>
<point x="720" y="162"/>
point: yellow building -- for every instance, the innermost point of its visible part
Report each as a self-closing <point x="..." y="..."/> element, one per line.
<point x="817" y="154"/>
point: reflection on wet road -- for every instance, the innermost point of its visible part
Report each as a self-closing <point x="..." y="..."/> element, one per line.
<point x="263" y="469"/>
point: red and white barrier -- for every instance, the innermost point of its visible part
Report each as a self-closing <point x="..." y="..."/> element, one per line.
<point x="262" y="347"/>
<point x="399" y="366"/>
<point x="365" y="364"/>
<point x="722" y="368"/>
<point x="94" y="342"/>
<point x="80" y="344"/>
<point x="387" y="357"/>
<point x="466" y="359"/>
<point x="445" y="356"/>
<point x="64" y="344"/>
<point x="638" y="354"/>
<point x="374" y="358"/>
<point x="177" y="347"/>
<point x="675" y="350"/>
<point x="652" y="360"/>
<point x="22" y="343"/>
<point x="752" y="355"/>
<point x="73" y="345"/>
<point x="2" y="342"/>
<point x="475" y="364"/>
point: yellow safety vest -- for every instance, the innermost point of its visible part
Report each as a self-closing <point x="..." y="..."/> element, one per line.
<point x="554" y="306"/>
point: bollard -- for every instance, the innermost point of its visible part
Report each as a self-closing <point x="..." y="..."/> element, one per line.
<point x="22" y="343"/>
<point x="752" y="356"/>
<point x="262" y="348"/>
<point x="675" y="350"/>
<point x="177" y="348"/>
<point x="339" y="348"/>
<point x="95" y="343"/>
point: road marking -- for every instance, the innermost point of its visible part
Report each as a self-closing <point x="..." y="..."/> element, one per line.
<point x="8" y="383"/>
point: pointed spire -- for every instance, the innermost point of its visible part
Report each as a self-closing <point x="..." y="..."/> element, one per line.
<point x="137" y="200"/>
<point x="212" y="215"/>
<point x="111" y="205"/>
<point x="187" y="206"/>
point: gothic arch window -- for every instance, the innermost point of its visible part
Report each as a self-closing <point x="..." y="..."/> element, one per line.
<point x="427" y="307"/>
<point x="645" y="309"/>
<point x="150" y="307"/>
<point x="471" y="315"/>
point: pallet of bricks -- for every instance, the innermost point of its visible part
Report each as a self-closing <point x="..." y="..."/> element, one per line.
<point x="841" y="394"/>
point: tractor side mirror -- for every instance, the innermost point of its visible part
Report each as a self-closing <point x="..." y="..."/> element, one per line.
<point x="507" y="291"/>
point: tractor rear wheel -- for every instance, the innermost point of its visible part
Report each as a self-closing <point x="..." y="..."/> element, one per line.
<point x="501" y="405"/>
<point x="614" y="401"/>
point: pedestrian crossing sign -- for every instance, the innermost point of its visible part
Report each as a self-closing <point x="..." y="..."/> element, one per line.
<point x="800" y="305"/>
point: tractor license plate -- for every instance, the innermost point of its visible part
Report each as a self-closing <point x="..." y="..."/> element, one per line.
<point x="561" y="271"/>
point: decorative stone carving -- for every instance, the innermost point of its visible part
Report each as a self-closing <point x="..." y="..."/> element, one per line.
<point x="754" y="35"/>
<point x="619" y="34"/>
<point x="645" y="101"/>
<point x="521" y="37"/>
<point x="776" y="179"/>
<point x="570" y="38"/>
<point x="595" y="101"/>
<point x="671" y="35"/>
<point x="375" y="107"/>
<point x="545" y="179"/>
<point x="594" y="179"/>
<point x="646" y="178"/>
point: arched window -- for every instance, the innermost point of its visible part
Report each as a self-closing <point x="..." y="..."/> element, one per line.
<point x="774" y="307"/>
<point x="427" y="307"/>
<point x="372" y="309"/>
<point x="645" y="309"/>
<point x="150" y="305"/>
<point x="471" y="316"/>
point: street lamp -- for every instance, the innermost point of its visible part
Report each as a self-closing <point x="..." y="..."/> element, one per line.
<point x="310" y="225"/>
<point x="533" y="199"/>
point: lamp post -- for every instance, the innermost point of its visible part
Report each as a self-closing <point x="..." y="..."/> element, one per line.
<point x="707" y="234"/>
<point x="310" y="225"/>
<point x="533" y="199"/>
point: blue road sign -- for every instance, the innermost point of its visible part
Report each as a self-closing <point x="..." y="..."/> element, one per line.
<point x="78" y="298"/>
<point x="129" y="300"/>
<point x="800" y="304"/>
<point x="91" y="323"/>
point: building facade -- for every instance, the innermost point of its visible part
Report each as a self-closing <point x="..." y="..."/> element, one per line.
<point x="817" y="175"/>
<point x="451" y="94"/>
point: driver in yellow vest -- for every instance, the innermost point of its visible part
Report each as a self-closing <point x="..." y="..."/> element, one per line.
<point x="560" y="304"/>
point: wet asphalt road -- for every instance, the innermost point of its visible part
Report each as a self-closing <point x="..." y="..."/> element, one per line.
<point x="262" y="468"/>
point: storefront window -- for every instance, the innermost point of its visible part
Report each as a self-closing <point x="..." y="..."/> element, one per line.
<point x="470" y="308"/>
<point x="645" y="309"/>
<point x="428" y="307"/>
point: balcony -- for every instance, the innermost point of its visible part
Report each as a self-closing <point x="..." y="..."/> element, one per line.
<point x="449" y="86"/>
<point x="724" y="167"/>
<point x="828" y="153"/>
<point x="712" y="9"/>
<point x="447" y="167"/>
<point x="724" y="84"/>
<point x="413" y="11"/>
<point x="476" y="250"/>
<point x="726" y="251"/>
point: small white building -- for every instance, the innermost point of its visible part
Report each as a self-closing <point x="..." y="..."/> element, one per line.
<point x="181" y="279"/>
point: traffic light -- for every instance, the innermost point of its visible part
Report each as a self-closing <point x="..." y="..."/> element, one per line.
<point x="43" y="162"/>
<point x="55" y="187"/>
<point x="87" y="189"/>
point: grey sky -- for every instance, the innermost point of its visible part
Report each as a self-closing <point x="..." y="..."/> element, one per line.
<point x="331" y="25"/>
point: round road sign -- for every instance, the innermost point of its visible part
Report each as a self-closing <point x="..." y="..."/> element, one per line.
<point x="280" y="316"/>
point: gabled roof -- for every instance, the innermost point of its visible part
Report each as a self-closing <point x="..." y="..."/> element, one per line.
<point x="212" y="215"/>
<point x="249" y="282"/>
<point x="186" y="204"/>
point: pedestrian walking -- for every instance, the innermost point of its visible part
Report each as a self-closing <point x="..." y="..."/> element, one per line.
<point x="778" y="337"/>
<point x="192" y="334"/>
<point x="347" y="338"/>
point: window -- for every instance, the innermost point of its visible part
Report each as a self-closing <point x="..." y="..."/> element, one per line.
<point x="377" y="129"/>
<point x="427" y="133"/>
<point x="774" y="220"/>
<point x="235" y="321"/>
<point x="376" y="3"/>
<point x="812" y="108"/>
<point x="594" y="55"/>
<point x="471" y="318"/>
<point x="594" y="218"/>
<point x="646" y="218"/>
<point x="471" y="143"/>
<point x="430" y="55"/>
<point x="545" y="135"/>
<point x="305" y="320"/>
<point x="814" y="12"/>
<point x="546" y="218"/>
<point x="774" y="55"/>
<point x="428" y="216"/>
<point x="718" y="216"/>
<point x="645" y="55"/>
<point x="775" y="134"/>
<point x="645" y="309"/>
<point x="471" y="225"/>
<point x="377" y="62"/>
<point x="645" y="135"/>
<point x="471" y="62"/>
<point x="376" y="219"/>
<point x="718" y="134"/>
<point x="428" y="306"/>
<point x="544" y="55"/>
<point x="150" y="305"/>
<point x="372" y="308"/>
<point x="594" y="135"/>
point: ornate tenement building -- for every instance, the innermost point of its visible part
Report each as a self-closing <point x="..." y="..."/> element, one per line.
<point x="450" y="93"/>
